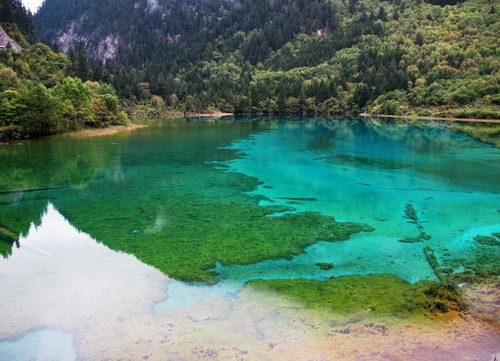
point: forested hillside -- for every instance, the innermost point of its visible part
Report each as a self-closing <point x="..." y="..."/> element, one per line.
<point x="40" y="92"/>
<point x="17" y="22"/>
<point x="434" y="57"/>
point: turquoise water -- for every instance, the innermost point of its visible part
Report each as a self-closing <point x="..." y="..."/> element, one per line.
<point x="451" y="180"/>
<point x="126" y="220"/>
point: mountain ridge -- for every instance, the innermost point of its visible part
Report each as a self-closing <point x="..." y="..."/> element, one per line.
<point x="320" y="56"/>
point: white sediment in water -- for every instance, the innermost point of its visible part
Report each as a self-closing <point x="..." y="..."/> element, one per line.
<point x="39" y="345"/>
<point x="181" y="294"/>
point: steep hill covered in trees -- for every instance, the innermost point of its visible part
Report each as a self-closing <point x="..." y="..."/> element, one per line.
<point x="17" y="22"/>
<point x="40" y="92"/>
<point x="434" y="57"/>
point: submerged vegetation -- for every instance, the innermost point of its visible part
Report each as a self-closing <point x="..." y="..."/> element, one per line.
<point x="165" y="195"/>
<point x="411" y="214"/>
<point x="372" y="295"/>
<point x="320" y="144"/>
<point x="433" y="262"/>
<point x="184" y="219"/>
<point x="493" y="240"/>
<point x="197" y="233"/>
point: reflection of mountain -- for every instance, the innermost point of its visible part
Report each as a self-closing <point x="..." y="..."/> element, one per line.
<point x="428" y="149"/>
<point x="421" y="137"/>
<point x="485" y="132"/>
<point x="62" y="278"/>
<point x="33" y="172"/>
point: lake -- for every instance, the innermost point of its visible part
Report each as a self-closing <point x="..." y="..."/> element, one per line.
<point x="251" y="238"/>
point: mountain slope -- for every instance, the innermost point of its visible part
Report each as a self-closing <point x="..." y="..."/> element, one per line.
<point x="17" y="22"/>
<point x="40" y="92"/>
<point x="320" y="56"/>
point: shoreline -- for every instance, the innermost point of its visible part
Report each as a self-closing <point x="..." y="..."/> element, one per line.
<point x="99" y="132"/>
<point x="169" y="114"/>
<point x="208" y="115"/>
<point x="418" y="117"/>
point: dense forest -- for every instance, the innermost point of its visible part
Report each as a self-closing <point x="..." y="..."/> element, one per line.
<point x="432" y="57"/>
<point x="17" y="22"/>
<point x="40" y="91"/>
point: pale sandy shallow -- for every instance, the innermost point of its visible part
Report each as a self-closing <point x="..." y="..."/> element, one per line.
<point x="209" y="115"/>
<point x="86" y="133"/>
<point x="62" y="279"/>
<point x="470" y="120"/>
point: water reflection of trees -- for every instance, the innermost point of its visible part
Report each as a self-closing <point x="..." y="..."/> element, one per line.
<point x="60" y="170"/>
<point x="33" y="171"/>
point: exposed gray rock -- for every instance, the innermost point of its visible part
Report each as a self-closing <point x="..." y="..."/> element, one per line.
<point x="5" y="40"/>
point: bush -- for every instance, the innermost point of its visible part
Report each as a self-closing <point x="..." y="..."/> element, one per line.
<point x="121" y="119"/>
<point x="392" y="103"/>
<point x="463" y="96"/>
<point x="479" y="113"/>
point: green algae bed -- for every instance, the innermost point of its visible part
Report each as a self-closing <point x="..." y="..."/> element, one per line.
<point x="196" y="234"/>
<point x="376" y="295"/>
<point x="169" y="206"/>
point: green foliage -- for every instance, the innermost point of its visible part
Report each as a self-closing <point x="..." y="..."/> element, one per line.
<point x="8" y="79"/>
<point x="394" y="102"/>
<point x="267" y="56"/>
<point x="41" y="91"/>
<point x="433" y="57"/>
<point x="37" y="97"/>
<point x="17" y="21"/>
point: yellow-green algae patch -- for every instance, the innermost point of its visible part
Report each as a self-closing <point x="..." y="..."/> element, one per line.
<point x="370" y="295"/>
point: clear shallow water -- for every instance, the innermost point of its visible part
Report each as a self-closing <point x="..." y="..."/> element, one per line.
<point x="368" y="172"/>
<point x="43" y="345"/>
<point x="88" y="247"/>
